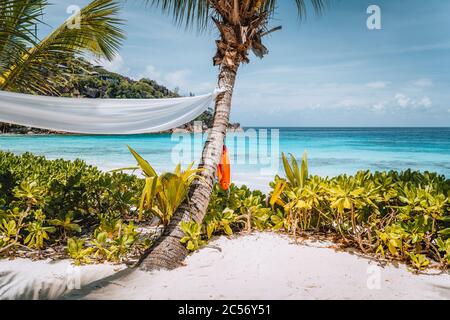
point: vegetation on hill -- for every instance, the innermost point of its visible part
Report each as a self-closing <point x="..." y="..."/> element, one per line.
<point x="91" y="81"/>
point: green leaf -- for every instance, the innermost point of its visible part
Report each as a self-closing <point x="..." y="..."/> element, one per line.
<point x="305" y="171"/>
<point x="288" y="170"/>
<point x="278" y="190"/>
<point x="143" y="164"/>
<point x="210" y="228"/>
<point x="190" y="246"/>
<point x="296" y="172"/>
<point x="445" y="232"/>
<point x="228" y="230"/>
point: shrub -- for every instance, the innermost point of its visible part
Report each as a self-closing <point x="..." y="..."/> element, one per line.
<point x="60" y="188"/>
<point x="394" y="215"/>
<point x="42" y="202"/>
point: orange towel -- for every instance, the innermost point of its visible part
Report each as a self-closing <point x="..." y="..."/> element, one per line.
<point x="224" y="170"/>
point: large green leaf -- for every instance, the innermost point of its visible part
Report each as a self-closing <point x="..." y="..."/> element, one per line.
<point x="143" y="164"/>
<point x="287" y="169"/>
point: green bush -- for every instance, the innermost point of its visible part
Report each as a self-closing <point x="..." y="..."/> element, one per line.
<point x="394" y="215"/>
<point x="61" y="187"/>
<point x="43" y="202"/>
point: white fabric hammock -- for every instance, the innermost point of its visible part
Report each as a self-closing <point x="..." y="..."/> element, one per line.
<point x="101" y="116"/>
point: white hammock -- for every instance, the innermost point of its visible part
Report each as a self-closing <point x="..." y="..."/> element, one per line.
<point x="101" y="116"/>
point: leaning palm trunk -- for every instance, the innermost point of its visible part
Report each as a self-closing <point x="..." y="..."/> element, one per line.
<point x="169" y="252"/>
<point x="242" y="24"/>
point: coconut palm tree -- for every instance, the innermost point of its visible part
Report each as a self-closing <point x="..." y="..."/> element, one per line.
<point x="32" y="65"/>
<point x="242" y="24"/>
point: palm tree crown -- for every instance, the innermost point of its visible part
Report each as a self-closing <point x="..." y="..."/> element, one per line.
<point x="241" y="23"/>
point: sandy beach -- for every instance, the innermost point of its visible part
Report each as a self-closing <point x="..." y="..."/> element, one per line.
<point x="257" y="266"/>
<point x="47" y="279"/>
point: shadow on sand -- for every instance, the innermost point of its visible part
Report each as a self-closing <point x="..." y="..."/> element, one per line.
<point x="89" y="288"/>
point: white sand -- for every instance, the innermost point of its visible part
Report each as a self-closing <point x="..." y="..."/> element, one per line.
<point x="27" y="279"/>
<point x="264" y="266"/>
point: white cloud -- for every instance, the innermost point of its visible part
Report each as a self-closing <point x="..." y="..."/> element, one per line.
<point x="425" y="102"/>
<point x="349" y="103"/>
<point x="402" y="100"/>
<point x="181" y="79"/>
<point x="115" y="65"/>
<point x="150" y="72"/>
<point x="423" y="82"/>
<point x="178" y="78"/>
<point x="377" y="84"/>
<point x="379" y="107"/>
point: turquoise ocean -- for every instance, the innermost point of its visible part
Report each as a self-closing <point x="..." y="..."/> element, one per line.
<point x="331" y="151"/>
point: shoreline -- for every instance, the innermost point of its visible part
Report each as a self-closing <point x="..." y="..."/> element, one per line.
<point x="258" y="266"/>
<point x="188" y="128"/>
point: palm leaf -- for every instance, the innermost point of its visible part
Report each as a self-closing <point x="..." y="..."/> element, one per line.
<point x="304" y="169"/>
<point x="143" y="164"/>
<point x="197" y="12"/>
<point x="287" y="169"/>
<point x="148" y="195"/>
<point x="278" y="190"/>
<point x="39" y="69"/>
<point x="296" y="171"/>
<point x="18" y="20"/>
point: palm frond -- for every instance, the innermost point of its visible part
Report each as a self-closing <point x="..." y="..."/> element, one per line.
<point x="40" y="68"/>
<point x="17" y="28"/>
<point x="318" y="7"/>
<point x="197" y="12"/>
<point x="187" y="12"/>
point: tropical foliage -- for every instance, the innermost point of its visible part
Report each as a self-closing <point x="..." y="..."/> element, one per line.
<point x="88" y="80"/>
<point x="67" y="204"/>
<point x="397" y="216"/>
<point x="43" y="203"/>
<point x="33" y="65"/>
<point x="162" y="194"/>
<point x="241" y="24"/>
<point x="56" y="203"/>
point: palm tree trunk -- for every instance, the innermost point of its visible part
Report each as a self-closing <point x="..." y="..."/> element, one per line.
<point x="168" y="252"/>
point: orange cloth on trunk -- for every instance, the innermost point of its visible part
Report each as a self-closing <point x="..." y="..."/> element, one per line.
<point x="224" y="170"/>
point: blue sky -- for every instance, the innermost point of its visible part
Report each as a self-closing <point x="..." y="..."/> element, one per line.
<point x="326" y="71"/>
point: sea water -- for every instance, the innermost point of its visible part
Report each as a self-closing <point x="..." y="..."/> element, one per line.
<point x="331" y="151"/>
